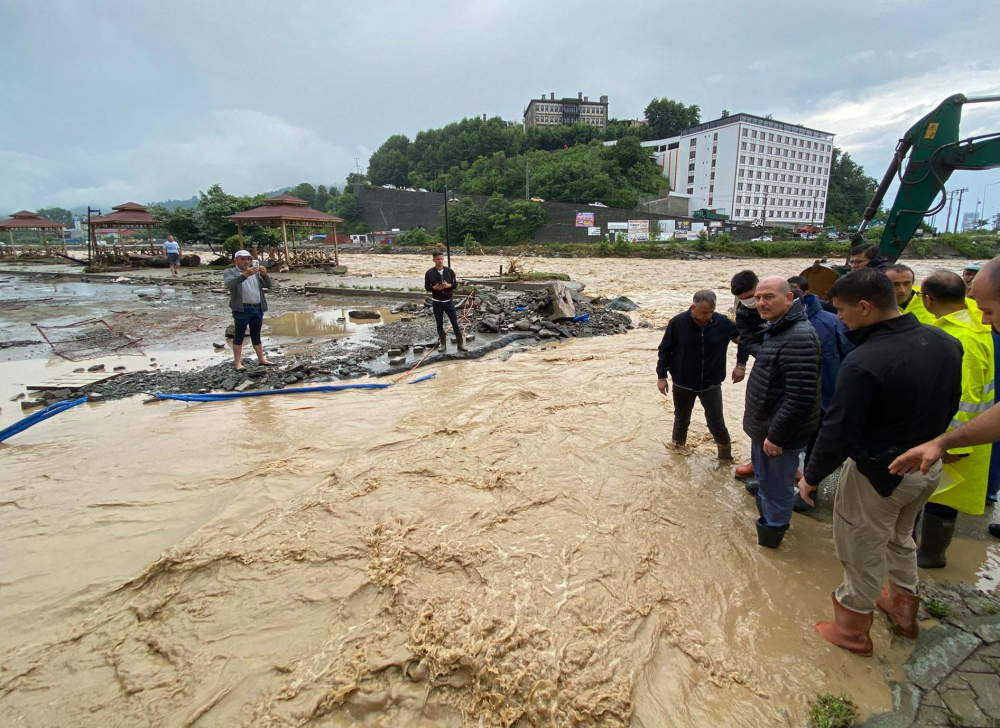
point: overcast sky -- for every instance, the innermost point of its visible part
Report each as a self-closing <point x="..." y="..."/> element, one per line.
<point x="109" y="101"/>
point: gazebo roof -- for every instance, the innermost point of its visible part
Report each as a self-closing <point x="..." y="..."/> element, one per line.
<point x="130" y="213"/>
<point x="25" y="220"/>
<point x="284" y="208"/>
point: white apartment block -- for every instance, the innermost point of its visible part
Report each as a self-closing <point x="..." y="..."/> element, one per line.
<point x="750" y="168"/>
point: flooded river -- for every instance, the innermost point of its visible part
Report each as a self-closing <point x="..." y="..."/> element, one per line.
<point x="509" y="543"/>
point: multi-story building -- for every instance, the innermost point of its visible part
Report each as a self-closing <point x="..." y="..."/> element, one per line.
<point x="750" y="168"/>
<point x="552" y="111"/>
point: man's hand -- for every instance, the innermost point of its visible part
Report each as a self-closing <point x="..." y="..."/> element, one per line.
<point x="738" y="374"/>
<point x="806" y="490"/>
<point x="437" y="286"/>
<point x="662" y="385"/>
<point x="262" y="270"/>
<point x="444" y="284"/>
<point x="772" y="450"/>
<point x="950" y="459"/>
<point x="249" y="272"/>
<point x="921" y="458"/>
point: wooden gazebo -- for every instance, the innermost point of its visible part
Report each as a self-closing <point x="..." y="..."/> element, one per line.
<point x="286" y="211"/>
<point x="25" y="220"/>
<point x="130" y="216"/>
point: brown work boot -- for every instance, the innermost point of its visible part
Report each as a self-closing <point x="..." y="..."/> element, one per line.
<point x="848" y="630"/>
<point x="745" y="471"/>
<point x="902" y="608"/>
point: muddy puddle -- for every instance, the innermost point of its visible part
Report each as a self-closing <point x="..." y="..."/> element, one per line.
<point x="508" y="543"/>
<point x="329" y="322"/>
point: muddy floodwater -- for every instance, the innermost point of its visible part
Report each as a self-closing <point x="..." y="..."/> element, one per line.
<point x="508" y="543"/>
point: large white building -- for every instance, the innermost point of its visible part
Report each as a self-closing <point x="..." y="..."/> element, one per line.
<point x="750" y="168"/>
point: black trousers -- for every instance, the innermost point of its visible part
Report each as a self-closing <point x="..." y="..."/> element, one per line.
<point x="251" y="316"/>
<point x="711" y="400"/>
<point x="440" y="309"/>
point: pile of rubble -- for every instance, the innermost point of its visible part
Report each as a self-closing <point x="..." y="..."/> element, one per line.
<point x="556" y="311"/>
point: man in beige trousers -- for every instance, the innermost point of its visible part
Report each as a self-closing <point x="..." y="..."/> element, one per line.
<point x="897" y="388"/>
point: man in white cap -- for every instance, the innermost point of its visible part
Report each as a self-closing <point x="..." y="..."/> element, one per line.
<point x="246" y="284"/>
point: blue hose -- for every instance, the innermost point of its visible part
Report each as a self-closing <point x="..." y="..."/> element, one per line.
<point x="424" y="378"/>
<point x="51" y="411"/>
<point x="582" y="318"/>
<point x="222" y="396"/>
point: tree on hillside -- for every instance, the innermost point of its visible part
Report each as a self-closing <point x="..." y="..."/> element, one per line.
<point x="322" y="198"/>
<point x="304" y="191"/>
<point x="346" y="206"/>
<point x="850" y="190"/>
<point x="57" y="214"/>
<point x="181" y="222"/>
<point x="668" y="118"/>
<point x="390" y="163"/>
<point x="213" y="207"/>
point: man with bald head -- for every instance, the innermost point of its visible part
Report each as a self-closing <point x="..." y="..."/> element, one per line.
<point x="782" y="404"/>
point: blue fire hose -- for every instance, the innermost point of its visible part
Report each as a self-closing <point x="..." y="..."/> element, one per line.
<point x="51" y="411"/>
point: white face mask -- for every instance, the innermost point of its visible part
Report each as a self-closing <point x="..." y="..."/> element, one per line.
<point x="748" y="302"/>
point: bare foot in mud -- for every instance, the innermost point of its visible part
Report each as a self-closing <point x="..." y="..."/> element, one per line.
<point x="239" y="367"/>
<point x="264" y="362"/>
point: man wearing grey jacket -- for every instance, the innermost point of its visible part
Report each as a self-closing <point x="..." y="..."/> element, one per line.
<point x="246" y="284"/>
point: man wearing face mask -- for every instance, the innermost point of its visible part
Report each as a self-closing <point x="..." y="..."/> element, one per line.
<point x="751" y="329"/>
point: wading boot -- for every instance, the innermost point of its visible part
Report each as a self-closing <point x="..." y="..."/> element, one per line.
<point x="902" y="608"/>
<point x="800" y="506"/>
<point x="460" y="338"/>
<point x="442" y="343"/>
<point x="725" y="451"/>
<point x="769" y="536"/>
<point x="848" y="630"/>
<point x="752" y="486"/>
<point x="935" y="537"/>
<point x="745" y="471"/>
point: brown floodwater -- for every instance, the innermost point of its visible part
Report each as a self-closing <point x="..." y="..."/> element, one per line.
<point x="509" y="543"/>
<point x="328" y="322"/>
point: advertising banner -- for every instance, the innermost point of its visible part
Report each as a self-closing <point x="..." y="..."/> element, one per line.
<point x="638" y="230"/>
<point x="584" y="219"/>
<point x="593" y="231"/>
<point x="617" y="226"/>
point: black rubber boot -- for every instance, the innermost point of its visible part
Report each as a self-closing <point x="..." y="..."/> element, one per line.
<point x="994" y="529"/>
<point x="725" y="451"/>
<point x="769" y="536"/>
<point x="935" y="537"/>
<point x="442" y="342"/>
<point x="752" y="485"/>
<point x="800" y="506"/>
<point x="460" y="339"/>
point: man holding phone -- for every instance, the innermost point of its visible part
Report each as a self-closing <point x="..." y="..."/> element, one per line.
<point x="246" y="282"/>
<point x="440" y="282"/>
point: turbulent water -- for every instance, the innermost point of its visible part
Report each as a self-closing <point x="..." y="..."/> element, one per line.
<point x="507" y="544"/>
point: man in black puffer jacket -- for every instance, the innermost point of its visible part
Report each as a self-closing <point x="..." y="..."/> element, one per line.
<point x="782" y="404"/>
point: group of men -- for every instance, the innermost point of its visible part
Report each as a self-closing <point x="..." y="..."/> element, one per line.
<point x="859" y="382"/>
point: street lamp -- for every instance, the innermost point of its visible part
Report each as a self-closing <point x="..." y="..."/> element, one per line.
<point x="984" y="195"/>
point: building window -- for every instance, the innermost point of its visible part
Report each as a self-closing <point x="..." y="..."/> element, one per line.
<point x="693" y="142"/>
<point x="745" y="132"/>
<point x="743" y="160"/>
<point x="690" y="190"/>
<point x="691" y="167"/>
<point x="690" y="179"/>
<point x="691" y="154"/>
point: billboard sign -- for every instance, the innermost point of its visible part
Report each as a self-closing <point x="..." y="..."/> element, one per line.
<point x="638" y="230"/>
<point x="617" y="226"/>
<point x="593" y="231"/>
<point x="584" y="219"/>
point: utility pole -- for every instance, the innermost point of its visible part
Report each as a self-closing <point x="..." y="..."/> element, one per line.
<point x="90" y="235"/>
<point x="958" y="213"/>
<point x="447" y="236"/>
<point x="947" y="224"/>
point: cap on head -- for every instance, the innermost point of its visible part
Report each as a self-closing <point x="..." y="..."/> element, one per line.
<point x="242" y="254"/>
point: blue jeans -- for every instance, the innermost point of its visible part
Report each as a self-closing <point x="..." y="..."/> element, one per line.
<point x="251" y="316"/>
<point x="777" y="482"/>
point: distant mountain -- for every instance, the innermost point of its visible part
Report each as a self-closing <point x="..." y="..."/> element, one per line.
<point x="188" y="204"/>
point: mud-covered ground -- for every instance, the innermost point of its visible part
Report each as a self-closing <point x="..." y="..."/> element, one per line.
<point x="508" y="543"/>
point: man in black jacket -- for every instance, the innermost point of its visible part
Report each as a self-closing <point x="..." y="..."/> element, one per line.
<point x="693" y="351"/>
<point x="782" y="404"/>
<point x="441" y="282"/>
<point x="751" y="328"/>
<point x="866" y="255"/>
<point x="898" y="388"/>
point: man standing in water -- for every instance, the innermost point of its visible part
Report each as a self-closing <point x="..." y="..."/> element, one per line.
<point x="693" y="350"/>
<point x="751" y="329"/>
<point x="440" y="282"/>
<point x="246" y="284"/>
<point x="782" y="404"/>
<point x="899" y="387"/>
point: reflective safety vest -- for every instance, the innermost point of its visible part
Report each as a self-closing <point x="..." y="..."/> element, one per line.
<point x="963" y="486"/>
<point x="916" y="307"/>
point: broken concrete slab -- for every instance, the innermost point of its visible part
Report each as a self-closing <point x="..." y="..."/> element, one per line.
<point x="562" y="302"/>
<point x="938" y="652"/>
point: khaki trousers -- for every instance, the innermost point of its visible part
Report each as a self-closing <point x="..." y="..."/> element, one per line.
<point x="874" y="535"/>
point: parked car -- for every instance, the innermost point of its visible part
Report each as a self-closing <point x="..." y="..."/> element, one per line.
<point x="410" y="189"/>
<point x="811" y="236"/>
<point x="537" y="199"/>
<point x="389" y="187"/>
<point x="421" y="189"/>
<point x="762" y="239"/>
<point x="597" y="204"/>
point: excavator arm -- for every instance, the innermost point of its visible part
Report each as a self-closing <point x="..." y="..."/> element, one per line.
<point x="935" y="151"/>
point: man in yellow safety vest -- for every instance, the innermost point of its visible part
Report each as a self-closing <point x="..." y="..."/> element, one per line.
<point x="908" y="296"/>
<point x="966" y="468"/>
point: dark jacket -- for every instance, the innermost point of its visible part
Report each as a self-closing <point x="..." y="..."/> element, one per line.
<point x="879" y="262"/>
<point x="783" y="393"/>
<point x="751" y="328"/>
<point x="900" y="387"/>
<point x="233" y="278"/>
<point x="432" y="278"/>
<point x="832" y="340"/>
<point x="695" y="355"/>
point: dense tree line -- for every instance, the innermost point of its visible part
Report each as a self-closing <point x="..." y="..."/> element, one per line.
<point x="849" y="192"/>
